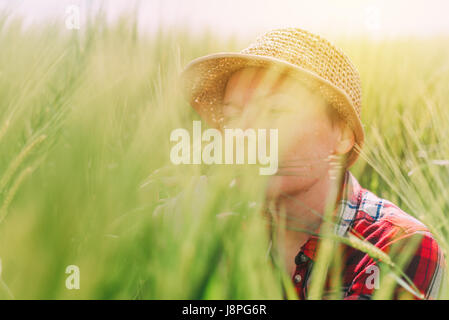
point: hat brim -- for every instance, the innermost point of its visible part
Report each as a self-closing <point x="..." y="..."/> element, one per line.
<point x="204" y="81"/>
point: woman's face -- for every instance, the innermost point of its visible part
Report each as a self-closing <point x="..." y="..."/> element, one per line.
<point x="257" y="98"/>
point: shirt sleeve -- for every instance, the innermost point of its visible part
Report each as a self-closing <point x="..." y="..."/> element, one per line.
<point x="426" y="270"/>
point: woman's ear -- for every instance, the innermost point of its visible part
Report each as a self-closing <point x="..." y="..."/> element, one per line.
<point x="345" y="141"/>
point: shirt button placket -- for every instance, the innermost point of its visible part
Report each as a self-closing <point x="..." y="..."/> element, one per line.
<point x="298" y="278"/>
<point x="301" y="263"/>
<point x="300" y="259"/>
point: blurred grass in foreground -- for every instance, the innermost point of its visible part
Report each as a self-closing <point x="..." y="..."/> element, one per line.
<point x="85" y="178"/>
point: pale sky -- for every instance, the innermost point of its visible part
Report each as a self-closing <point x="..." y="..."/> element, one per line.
<point x="252" y="17"/>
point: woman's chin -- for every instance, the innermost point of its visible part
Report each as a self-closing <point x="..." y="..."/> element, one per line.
<point x="286" y="183"/>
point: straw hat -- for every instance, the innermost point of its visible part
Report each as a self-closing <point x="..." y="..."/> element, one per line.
<point x="314" y="61"/>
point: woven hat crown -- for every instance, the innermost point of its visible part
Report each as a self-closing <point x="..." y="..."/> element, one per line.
<point x="313" y="53"/>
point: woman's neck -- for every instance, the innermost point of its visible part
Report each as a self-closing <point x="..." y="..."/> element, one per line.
<point x="303" y="215"/>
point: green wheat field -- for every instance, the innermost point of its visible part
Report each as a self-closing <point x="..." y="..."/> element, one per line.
<point x="86" y="179"/>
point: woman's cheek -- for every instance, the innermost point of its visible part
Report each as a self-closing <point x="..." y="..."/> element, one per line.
<point x="309" y="139"/>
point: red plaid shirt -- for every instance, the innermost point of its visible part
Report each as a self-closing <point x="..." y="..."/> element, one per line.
<point x="383" y="224"/>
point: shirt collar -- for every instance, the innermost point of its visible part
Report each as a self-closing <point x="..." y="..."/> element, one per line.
<point x="346" y="212"/>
